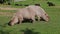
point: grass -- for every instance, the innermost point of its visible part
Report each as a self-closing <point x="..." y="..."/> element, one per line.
<point x="51" y="27"/>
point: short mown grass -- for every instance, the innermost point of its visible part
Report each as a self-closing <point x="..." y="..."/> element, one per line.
<point x="41" y="27"/>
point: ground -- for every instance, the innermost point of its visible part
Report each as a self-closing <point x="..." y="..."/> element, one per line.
<point x="41" y="27"/>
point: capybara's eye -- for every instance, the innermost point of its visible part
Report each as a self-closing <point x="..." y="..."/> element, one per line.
<point x="45" y="14"/>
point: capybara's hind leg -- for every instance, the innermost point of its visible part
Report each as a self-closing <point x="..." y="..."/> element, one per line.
<point x="13" y="21"/>
<point x="20" y="19"/>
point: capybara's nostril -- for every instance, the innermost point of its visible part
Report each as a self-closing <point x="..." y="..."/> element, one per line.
<point x="48" y="17"/>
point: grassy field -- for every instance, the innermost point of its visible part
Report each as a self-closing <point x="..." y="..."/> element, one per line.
<point x="41" y="27"/>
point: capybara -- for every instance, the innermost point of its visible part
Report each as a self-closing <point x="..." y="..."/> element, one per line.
<point x="20" y="15"/>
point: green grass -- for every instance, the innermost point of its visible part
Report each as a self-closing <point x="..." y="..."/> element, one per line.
<point x="51" y="27"/>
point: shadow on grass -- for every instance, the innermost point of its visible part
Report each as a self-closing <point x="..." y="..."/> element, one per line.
<point x="29" y="31"/>
<point x="27" y="20"/>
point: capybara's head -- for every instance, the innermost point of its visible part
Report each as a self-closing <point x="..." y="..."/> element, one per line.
<point x="45" y="17"/>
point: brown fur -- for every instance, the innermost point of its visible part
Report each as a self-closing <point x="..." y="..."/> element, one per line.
<point x="39" y="12"/>
<point x="22" y="13"/>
